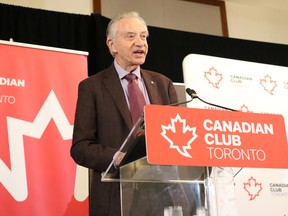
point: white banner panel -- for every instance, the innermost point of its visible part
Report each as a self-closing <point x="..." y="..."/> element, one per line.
<point x="247" y="87"/>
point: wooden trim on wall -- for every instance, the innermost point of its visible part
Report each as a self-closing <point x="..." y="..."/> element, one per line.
<point x="97" y="6"/>
<point x="222" y="8"/>
<point x="224" y="18"/>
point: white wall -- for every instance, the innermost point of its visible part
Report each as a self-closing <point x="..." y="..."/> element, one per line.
<point x="171" y="14"/>
<point x="67" y="6"/>
<point x="259" y="20"/>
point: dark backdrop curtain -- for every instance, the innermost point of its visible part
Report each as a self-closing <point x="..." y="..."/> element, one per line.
<point x="43" y="27"/>
<point x="167" y="48"/>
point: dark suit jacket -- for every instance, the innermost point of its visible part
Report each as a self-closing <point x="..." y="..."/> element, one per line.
<point x="102" y="122"/>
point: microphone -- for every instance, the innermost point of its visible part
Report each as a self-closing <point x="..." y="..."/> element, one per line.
<point x="183" y="102"/>
<point x="193" y="95"/>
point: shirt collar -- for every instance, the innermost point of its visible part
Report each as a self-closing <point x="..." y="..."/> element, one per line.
<point x="122" y="72"/>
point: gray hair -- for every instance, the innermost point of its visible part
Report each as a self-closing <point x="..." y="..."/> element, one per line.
<point x="112" y="26"/>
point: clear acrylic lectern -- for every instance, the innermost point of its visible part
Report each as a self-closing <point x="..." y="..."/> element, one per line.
<point x="156" y="190"/>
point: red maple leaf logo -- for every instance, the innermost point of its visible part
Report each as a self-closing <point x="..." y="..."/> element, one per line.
<point x="268" y="84"/>
<point x="253" y="188"/>
<point x="245" y="108"/>
<point x="179" y="135"/>
<point x="213" y="77"/>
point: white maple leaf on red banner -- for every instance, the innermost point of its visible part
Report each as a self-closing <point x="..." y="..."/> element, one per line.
<point x="268" y="84"/>
<point x="253" y="188"/>
<point x="179" y="135"/>
<point x="213" y="77"/>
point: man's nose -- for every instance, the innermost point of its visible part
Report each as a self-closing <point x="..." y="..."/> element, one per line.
<point x="139" y="41"/>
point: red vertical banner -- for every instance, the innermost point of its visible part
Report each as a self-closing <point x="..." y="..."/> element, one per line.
<point x="38" y="92"/>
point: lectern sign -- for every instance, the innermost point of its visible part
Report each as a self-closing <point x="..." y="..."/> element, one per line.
<point x="200" y="137"/>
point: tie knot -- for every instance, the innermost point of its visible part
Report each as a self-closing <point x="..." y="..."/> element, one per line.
<point x="130" y="77"/>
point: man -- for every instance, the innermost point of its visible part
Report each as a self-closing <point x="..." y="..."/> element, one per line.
<point x="102" y="119"/>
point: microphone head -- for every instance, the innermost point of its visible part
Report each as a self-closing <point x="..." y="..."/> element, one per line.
<point x="191" y="92"/>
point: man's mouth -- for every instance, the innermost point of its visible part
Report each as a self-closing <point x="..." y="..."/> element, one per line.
<point x="139" y="52"/>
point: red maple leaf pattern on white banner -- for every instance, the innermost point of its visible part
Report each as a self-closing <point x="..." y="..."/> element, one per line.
<point x="253" y="188"/>
<point x="268" y="84"/>
<point x="213" y="76"/>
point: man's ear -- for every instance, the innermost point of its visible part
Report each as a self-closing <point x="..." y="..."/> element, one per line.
<point x="111" y="45"/>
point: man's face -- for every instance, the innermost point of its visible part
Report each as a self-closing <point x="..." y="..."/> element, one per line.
<point x="130" y="46"/>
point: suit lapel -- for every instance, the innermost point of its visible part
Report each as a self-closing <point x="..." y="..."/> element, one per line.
<point x="114" y="88"/>
<point x="151" y="86"/>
